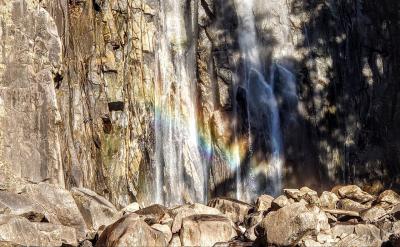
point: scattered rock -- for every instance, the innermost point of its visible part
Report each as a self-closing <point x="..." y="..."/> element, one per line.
<point x="95" y="209"/>
<point x="21" y="205"/>
<point x="389" y="198"/>
<point x="233" y="209"/>
<point x="289" y="224"/>
<point x="304" y="193"/>
<point x="263" y="202"/>
<point x="131" y="230"/>
<point x="154" y="214"/>
<point x="188" y="210"/>
<point x="165" y="230"/>
<point x="328" y="200"/>
<point x="281" y="201"/>
<point x="355" y="193"/>
<point x="206" y="230"/>
<point x="350" y="205"/>
<point x="18" y="231"/>
<point x="133" y="207"/>
<point x="373" y="214"/>
<point x="59" y="202"/>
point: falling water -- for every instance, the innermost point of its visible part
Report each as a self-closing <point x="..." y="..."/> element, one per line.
<point x="180" y="175"/>
<point x="261" y="100"/>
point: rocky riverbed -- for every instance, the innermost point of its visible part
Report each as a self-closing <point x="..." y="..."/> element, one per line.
<point x="47" y="215"/>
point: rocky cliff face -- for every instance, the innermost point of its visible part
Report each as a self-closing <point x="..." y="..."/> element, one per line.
<point x="79" y="77"/>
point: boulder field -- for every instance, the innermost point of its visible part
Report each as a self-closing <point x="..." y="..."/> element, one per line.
<point x="46" y="215"/>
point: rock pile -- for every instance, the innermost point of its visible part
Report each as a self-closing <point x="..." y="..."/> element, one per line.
<point x="47" y="215"/>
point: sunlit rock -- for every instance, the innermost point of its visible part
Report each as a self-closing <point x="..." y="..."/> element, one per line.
<point x="233" y="209"/>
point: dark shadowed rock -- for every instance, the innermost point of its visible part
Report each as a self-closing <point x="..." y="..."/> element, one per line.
<point x="233" y="209"/>
<point x="206" y="230"/>
<point x="130" y="230"/>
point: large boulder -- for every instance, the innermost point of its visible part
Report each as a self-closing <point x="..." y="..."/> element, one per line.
<point x="288" y="225"/>
<point x="373" y="214"/>
<point x="60" y="203"/>
<point x="233" y="209"/>
<point x="95" y="209"/>
<point x="18" y="231"/>
<point x="281" y="201"/>
<point x="181" y="212"/>
<point x="354" y="193"/>
<point x="166" y="230"/>
<point x="130" y="230"/>
<point x="206" y="230"/>
<point x="21" y="205"/>
<point x="154" y="214"/>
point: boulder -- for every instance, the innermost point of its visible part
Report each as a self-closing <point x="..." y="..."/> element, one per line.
<point x="289" y="224"/>
<point x="373" y="214"/>
<point x="304" y="193"/>
<point x="233" y="209"/>
<point x="263" y="202"/>
<point x="60" y="203"/>
<point x="188" y="210"/>
<point x="95" y="209"/>
<point x="328" y="200"/>
<point x="154" y="214"/>
<point x="355" y="240"/>
<point x="389" y="198"/>
<point x="21" y="205"/>
<point x="350" y="205"/>
<point x="133" y="207"/>
<point x="206" y="230"/>
<point x="165" y="230"/>
<point x="130" y="230"/>
<point x="355" y="193"/>
<point x="254" y="218"/>
<point x="281" y="201"/>
<point x="18" y="231"/>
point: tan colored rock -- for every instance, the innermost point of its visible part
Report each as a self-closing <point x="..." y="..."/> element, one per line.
<point x="233" y="209"/>
<point x="355" y="240"/>
<point x="328" y="200"/>
<point x="350" y="205"/>
<point x="165" y="230"/>
<point x="263" y="202"/>
<point x="175" y="241"/>
<point x="130" y="208"/>
<point x="154" y="214"/>
<point x="19" y="231"/>
<point x="304" y="193"/>
<point x="21" y="205"/>
<point x="373" y="214"/>
<point x="355" y="193"/>
<point x="281" y="201"/>
<point x="291" y="223"/>
<point x="59" y="202"/>
<point x="130" y="230"/>
<point x="95" y="209"/>
<point x="179" y="213"/>
<point x="389" y="197"/>
<point x="206" y="230"/>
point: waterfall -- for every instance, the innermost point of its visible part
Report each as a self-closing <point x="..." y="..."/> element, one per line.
<point x="262" y="106"/>
<point x="180" y="174"/>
